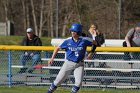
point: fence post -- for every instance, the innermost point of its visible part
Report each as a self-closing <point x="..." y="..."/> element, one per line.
<point x="9" y="68"/>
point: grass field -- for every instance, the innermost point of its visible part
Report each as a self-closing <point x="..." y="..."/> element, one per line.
<point x="62" y="90"/>
<point x="16" y="40"/>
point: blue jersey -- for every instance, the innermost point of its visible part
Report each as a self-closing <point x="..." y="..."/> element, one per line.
<point x="75" y="51"/>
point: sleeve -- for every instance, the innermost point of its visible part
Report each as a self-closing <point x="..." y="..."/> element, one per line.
<point x="63" y="45"/>
<point x="88" y="41"/>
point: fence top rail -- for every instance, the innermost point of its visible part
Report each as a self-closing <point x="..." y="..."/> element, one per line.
<point x="51" y="48"/>
<point x="14" y="47"/>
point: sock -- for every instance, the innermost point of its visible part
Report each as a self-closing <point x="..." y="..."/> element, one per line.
<point x="52" y="88"/>
<point x="75" y="89"/>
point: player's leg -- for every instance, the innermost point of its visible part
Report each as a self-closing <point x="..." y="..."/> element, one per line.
<point x="52" y="88"/>
<point x="62" y="75"/>
<point x="75" y="89"/>
<point x="66" y="69"/>
<point x="78" y="75"/>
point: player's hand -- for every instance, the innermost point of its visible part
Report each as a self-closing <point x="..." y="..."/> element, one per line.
<point x="50" y="61"/>
<point x="94" y="42"/>
<point x="89" y="56"/>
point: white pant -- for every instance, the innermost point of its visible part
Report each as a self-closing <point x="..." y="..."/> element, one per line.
<point x="66" y="70"/>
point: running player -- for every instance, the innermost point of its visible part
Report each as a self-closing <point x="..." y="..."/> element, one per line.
<point x="75" y="48"/>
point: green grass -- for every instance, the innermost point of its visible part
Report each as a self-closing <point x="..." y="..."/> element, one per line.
<point x="16" y="40"/>
<point x="62" y="90"/>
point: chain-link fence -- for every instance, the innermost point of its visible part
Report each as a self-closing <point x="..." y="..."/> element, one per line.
<point x="105" y="69"/>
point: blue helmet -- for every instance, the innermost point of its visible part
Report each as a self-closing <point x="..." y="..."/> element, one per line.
<point x="76" y="28"/>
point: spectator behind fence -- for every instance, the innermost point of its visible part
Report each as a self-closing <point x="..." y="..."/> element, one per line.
<point x="30" y="40"/>
<point x="98" y="37"/>
<point x="132" y="39"/>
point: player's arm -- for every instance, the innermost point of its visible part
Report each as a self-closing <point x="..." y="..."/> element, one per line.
<point x="54" y="54"/>
<point x="94" y="45"/>
<point x="93" y="48"/>
<point x="94" y="42"/>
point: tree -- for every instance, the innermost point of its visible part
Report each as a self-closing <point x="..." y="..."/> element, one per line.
<point x="41" y="15"/>
<point x="34" y="17"/>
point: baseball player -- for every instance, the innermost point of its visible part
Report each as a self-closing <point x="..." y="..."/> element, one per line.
<point x="75" y="48"/>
